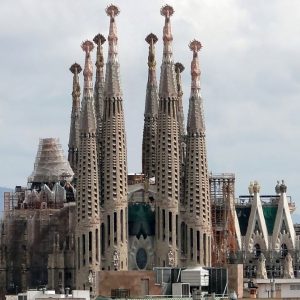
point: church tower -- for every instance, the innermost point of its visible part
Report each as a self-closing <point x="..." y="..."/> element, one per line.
<point x="150" y="115"/>
<point x="114" y="245"/>
<point x="167" y="157"/>
<point x="197" y="201"/>
<point x="99" y="40"/>
<point x="74" y="128"/>
<point x="87" y="229"/>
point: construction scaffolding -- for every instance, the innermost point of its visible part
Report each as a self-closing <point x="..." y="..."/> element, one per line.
<point x="223" y="218"/>
<point x="29" y="235"/>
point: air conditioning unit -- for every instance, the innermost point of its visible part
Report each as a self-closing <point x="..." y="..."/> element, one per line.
<point x="180" y="289"/>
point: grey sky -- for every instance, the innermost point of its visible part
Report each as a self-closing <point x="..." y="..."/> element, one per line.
<point x="250" y="65"/>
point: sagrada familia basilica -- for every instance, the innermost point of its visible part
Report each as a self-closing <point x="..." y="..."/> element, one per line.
<point x="82" y="222"/>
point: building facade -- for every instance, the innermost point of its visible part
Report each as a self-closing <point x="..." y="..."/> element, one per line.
<point x="168" y="216"/>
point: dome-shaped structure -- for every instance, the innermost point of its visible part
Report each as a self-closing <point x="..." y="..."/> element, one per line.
<point x="50" y="163"/>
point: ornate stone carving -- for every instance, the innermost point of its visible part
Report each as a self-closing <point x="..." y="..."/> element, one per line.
<point x="288" y="267"/>
<point x="171" y="258"/>
<point x="261" y="267"/>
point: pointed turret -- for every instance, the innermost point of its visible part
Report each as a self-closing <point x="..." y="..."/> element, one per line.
<point x="114" y="193"/>
<point x="99" y="40"/>
<point x="284" y="236"/>
<point x="167" y="157"/>
<point x="150" y="115"/>
<point x="88" y="117"/>
<point x="256" y="238"/>
<point x="197" y="214"/>
<point x="112" y="78"/>
<point x="87" y="202"/>
<point x="195" y="123"/>
<point x="179" y="68"/>
<point x="167" y="85"/>
<point x="74" y="127"/>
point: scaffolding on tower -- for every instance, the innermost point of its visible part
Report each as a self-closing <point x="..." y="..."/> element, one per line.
<point x="223" y="218"/>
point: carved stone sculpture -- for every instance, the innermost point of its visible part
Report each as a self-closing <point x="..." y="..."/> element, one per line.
<point x="288" y="267"/>
<point x="261" y="267"/>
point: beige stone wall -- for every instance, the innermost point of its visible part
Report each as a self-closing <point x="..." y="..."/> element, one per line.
<point x="235" y="279"/>
<point x="136" y="281"/>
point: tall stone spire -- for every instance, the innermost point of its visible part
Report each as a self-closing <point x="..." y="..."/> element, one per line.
<point x="112" y="79"/>
<point x="99" y="40"/>
<point x="167" y="86"/>
<point x="179" y="68"/>
<point x="114" y="245"/>
<point x="74" y="127"/>
<point x="195" y="120"/>
<point x="88" y="223"/>
<point x="198" y="231"/>
<point x="150" y="115"/>
<point x="167" y="157"/>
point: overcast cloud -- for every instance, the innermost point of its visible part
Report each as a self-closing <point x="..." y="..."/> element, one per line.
<point x="250" y="65"/>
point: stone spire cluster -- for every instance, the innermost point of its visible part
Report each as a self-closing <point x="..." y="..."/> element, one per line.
<point x="175" y="157"/>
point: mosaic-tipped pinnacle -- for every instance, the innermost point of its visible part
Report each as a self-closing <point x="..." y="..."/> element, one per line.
<point x="167" y="11"/>
<point x="151" y="38"/>
<point x="112" y="10"/>
<point x="87" y="46"/>
<point x="195" y="46"/>
<point x="99" y="38"/>
<point x="75" y="68"/>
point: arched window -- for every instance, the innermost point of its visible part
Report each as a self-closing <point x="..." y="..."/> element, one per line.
<point x="257" y="250"/>
<point x="283" y="250"/>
